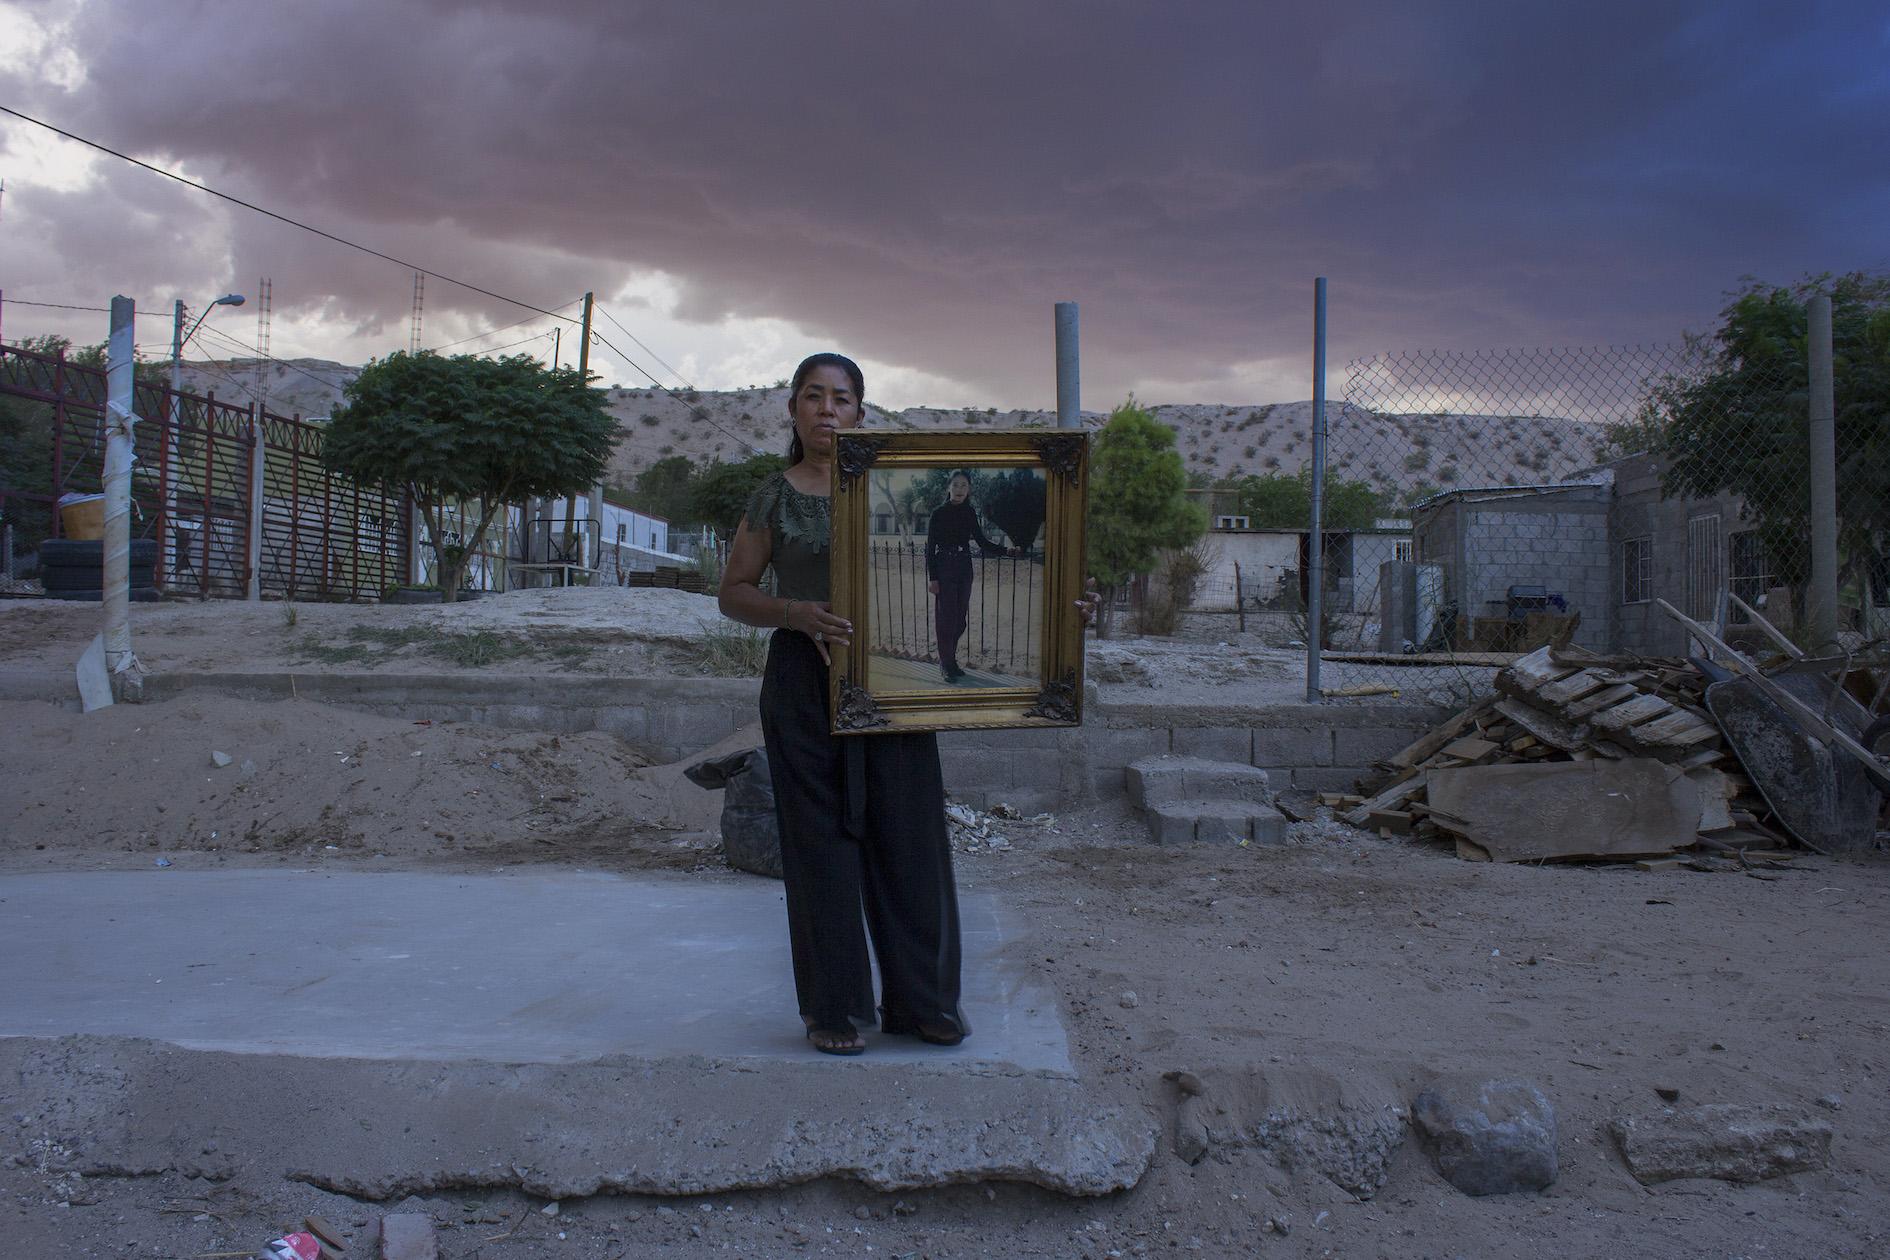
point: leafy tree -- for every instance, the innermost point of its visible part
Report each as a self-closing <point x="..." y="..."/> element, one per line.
<point x="1739" y="423"/>
<point x="925" y="492"/>
<point x="663" y="489"/>
<point x="1282" y="501"/>
<point x="718" y="496"/>
<point x="1138" y="507"/>
<point x="453" y="430"/>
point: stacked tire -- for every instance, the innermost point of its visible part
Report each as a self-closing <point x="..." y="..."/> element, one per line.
<point x="71" y="568"/>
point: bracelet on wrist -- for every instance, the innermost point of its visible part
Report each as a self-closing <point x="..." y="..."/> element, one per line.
<point x="787" y="614"/>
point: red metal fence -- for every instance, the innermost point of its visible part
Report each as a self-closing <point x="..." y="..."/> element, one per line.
<point x="317" y="536"/>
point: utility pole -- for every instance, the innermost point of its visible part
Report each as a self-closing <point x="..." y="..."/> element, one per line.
<point x="127" y="676"/>
<point x="171" y="464"/>
<point x="596" y="503"/>
<point x="557" y="340"/>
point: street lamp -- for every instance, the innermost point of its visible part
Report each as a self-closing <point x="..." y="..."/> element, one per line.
<point x="178" y="338"/>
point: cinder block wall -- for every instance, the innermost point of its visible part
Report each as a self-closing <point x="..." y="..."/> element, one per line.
<point x="1558" y="541"/>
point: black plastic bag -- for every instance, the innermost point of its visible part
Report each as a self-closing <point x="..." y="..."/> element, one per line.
<point x="751" y="839"/>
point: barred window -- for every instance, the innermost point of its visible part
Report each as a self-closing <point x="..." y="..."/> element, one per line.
<point x="1637" y="570"/>
<point x="1748" y="578"/>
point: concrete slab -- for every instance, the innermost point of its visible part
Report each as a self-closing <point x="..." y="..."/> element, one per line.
<point x="527" y="968"/>
<point x="560" y="1034"/>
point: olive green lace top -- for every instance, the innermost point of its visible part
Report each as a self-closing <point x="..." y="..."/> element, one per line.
<point x="800" y="534"/>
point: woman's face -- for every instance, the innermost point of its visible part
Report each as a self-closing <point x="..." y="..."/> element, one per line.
<point x="960" y="489"/>
<point x="825" y="405"/>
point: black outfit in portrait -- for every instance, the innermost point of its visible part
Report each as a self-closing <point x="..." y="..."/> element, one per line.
<point x="949" y="538"/>
<point x="862" y="819"/>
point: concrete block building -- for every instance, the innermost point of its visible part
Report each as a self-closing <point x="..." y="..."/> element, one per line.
<point x="1507" y="550"/>
<point x="1607" y="543"/>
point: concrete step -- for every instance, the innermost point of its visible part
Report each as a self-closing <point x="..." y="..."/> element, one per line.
<point x="1212" y="821"/>
<point x="1153" y="781"/>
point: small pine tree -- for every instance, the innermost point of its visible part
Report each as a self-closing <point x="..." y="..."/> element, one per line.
<point x="1138" y="507"/>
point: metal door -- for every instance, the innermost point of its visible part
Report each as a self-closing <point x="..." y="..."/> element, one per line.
<point x="1706" y="567"/>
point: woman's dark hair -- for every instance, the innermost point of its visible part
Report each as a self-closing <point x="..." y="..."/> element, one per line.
<point x="826" y="359"/>
<point x="956" y="474"/>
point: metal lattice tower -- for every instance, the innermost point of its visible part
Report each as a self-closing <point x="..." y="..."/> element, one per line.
<point x="419" y="294"/>
<point x="263" y="306"/>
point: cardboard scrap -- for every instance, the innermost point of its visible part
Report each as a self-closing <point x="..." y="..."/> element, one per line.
<point x="1546" y="811"/>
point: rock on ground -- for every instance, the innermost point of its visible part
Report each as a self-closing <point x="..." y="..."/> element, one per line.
<point x="1301" y="1120"/>
<point x="1723" y="1141"/>
<point x="1497" y="1137"/>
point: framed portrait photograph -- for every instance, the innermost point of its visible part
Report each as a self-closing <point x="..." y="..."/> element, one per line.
<point x="958" y="558"/>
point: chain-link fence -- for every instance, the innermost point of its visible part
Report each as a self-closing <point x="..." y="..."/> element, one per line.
<point x="1478" y="505"/>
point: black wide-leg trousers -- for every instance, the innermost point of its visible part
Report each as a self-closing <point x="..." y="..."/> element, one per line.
<point x="862" y="822"/>
<point x="952" y="612"/>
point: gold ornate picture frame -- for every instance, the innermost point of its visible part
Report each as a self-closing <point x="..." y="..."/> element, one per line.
<point x="962" y="620"/>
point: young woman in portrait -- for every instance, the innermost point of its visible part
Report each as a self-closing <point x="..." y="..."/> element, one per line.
<point x="949" y="537"/>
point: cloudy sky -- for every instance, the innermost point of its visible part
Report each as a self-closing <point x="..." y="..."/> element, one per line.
<point x="918" y="183"/>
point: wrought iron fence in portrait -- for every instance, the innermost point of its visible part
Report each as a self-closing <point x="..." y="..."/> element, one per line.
<point x="1478" y="505"/>
<point x="1003" y="623"/>
<point x="219" y="513"/>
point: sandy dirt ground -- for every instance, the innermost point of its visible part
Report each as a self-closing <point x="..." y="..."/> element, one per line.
<point x="1376" y="964"/>
<point x="644" y="632"/>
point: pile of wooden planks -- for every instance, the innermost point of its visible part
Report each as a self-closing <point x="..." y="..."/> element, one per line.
<point x="1562" y="704"/>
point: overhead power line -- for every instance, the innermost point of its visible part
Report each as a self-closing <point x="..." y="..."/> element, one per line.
<point x="511" y="344"/>
<point x="633" y="337"/>
<point x="501" y="328"/>
<point x="283" y="218"/>
<point x="706" y="418"/>
<point x="253" y="352"/>
<point x="57" y="306"/>
<point x="386" y="257"/>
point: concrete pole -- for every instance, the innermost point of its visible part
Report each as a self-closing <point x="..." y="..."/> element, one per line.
<point x="120" y="664"/>
<point x="1069" y="369"/>
<point x="1316" y="540"/>
<point x="1821" y="602"/>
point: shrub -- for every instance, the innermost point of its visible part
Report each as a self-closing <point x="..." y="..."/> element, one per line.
<point x="732" y="650"/>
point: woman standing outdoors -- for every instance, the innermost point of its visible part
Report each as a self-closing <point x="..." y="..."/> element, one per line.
<point x="862" y="819"/>
<point x="949" y="538"/>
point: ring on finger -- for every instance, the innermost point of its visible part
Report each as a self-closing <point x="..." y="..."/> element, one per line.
<point x="818" y="636"/>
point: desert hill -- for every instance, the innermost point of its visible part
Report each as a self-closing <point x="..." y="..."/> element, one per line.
<point x="1398" y="454"/>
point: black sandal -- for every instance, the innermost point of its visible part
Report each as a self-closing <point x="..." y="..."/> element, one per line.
<point x="941" y="1030"/>
<point x="844" y="1041"/>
